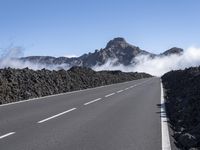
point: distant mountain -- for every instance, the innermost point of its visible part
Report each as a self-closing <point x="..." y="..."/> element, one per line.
<point x="117" y="49"/>
<point x="174" y="50"/>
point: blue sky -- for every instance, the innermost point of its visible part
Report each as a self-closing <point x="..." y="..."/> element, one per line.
<point x="66" y="27"/>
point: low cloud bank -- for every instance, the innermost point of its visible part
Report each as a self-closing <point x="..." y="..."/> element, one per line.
<point x="159" y="65"/>
<point x="155" y="66"/>
<point x="10" y="58"/>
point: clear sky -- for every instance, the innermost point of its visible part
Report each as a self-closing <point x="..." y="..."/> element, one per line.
<point x="74" y="27"/>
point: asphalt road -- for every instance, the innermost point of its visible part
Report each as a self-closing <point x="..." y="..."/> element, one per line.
<point x="122" y="116"/>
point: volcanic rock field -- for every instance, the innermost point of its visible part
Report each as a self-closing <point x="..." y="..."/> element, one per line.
<point x="22" y="84"/>
<point x="182" y="94"/>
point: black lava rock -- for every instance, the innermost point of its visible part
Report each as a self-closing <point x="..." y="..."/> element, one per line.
<point x="22" y="84"/>
<point x="182" y="94"/>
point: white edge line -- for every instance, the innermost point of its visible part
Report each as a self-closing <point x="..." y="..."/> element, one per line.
<point x="40" y="98"/>
<point x="164" y="123"/>
<point x="62" y="113"/>
<point x="6" y="135"/>
<point x="92" y="101"/>
<point x="109" y="94"/>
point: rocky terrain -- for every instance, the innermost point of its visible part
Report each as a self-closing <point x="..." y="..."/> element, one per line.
<point x="22" y="84"/>
<point x="174" y="50"/>
<point x="182" y="94"/>
<point x="118" y="49"/>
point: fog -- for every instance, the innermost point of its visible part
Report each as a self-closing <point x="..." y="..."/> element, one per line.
<point x="159" y="65"/>
<point x="155" y="66"/>
<point x="10" y="58"/>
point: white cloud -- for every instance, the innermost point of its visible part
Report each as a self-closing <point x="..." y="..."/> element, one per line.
<point x="9" y="58"/>
<point x="156" y="66"/>
<point x="159" y="65"/>
<point x="70" y="55"/>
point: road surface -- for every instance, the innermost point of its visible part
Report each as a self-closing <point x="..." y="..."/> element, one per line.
<point x="121" y="116"/>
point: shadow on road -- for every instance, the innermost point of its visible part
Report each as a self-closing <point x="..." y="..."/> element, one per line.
<point x="162" y="113"/>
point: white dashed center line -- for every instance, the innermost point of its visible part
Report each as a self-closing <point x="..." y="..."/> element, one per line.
<point x="109" y="94"/>
<point x="92" y="101"/>
<point x="120" y="91"/>
<point x="126" y="88"/>
<point x="6" y="135"/>
<point x="132" y="86"/>
<point x="56" y="115"/>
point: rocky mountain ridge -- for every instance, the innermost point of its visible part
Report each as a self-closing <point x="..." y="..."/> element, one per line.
<point x="118" y="49"/>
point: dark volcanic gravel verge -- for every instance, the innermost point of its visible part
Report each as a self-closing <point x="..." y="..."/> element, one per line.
<point x="22" y="84"/>
<point x="182" y="93"/>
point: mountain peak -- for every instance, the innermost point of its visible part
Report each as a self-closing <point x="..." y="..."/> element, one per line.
<point x="117" y="42"/>
<point x="172" y="51"/>
<point x="117" y="50"/>
<point x="119" y="39"/>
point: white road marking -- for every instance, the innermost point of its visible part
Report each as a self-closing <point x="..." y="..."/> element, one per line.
<point x="133" y="86"/>
<point x="44" y="120"/>
<point x="126" y="88"/>
<point x="120" y="91"/>
<point x="109" y="94"/>
<point x="6" y="135"/>
<point x="164" y="125"/>
<point x="45" y="97"/>
<point x="92" y="101"/>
